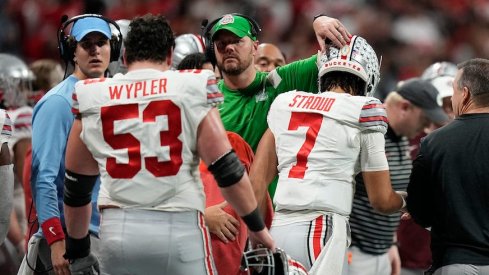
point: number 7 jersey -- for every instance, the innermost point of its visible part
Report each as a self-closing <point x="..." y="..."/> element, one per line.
<point x="141" y="128"/>
<point x="319" y="139"/>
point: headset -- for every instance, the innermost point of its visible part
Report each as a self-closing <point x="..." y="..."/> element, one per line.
<point x="206" y="34"/>
<point x="67" y="43"/>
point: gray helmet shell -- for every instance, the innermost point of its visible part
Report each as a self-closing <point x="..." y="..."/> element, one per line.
<point x="186" y="44"/>
<point x="358" y="58"/>
<point x="15" y="80"/>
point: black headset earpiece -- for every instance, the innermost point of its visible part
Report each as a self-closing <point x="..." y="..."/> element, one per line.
<point x="206" y="35"/>
<point x="67" y="43"/>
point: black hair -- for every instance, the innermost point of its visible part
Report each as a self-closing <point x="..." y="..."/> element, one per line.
<point x="150" y="37"/>
<point x="193" y="61"/>
<point x="350" y="83"/>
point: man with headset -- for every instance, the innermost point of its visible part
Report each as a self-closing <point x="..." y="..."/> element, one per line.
<point x="89" y="47"/>
<point x="232" y="46"/>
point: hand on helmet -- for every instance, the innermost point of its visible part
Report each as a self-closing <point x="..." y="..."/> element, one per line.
<point x="332" y="29"/>
<point x="263" y="238"/>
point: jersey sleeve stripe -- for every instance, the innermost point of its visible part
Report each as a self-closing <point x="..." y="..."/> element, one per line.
<point x="75" y="106"/>
<point x="214" y="95"/>
<point x="373" y="118"/>
<point x="373" y="115"/>
<point x="371" y="106"/>
<point x="7" y="126"/>
<point x="211" y="82"/>
<point x="19" y="126"/>
<point x="24" y="115"/>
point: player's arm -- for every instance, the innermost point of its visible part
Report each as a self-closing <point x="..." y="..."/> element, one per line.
<point x="6" y="175"/>
<point x="6" y="190"/>
<point x="20" y="151"/>
<point x="375" y="172"/>
<point x="5" y="135"/>
<point x="80" y="177"/>
<point x="215" y="150"/>
<point x="264" y="168"/>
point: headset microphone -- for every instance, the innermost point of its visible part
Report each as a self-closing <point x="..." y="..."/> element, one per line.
<point x="64" y="18"/>
<point x="204" y="24"/>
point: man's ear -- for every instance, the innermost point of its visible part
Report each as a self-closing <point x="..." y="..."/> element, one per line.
<point x="465" y="95"/>
<point x="255" y="46"/>
<point x="169" y="57"/>
<point x="124" y="57"/>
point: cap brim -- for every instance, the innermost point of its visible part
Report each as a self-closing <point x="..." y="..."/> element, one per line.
<point x="237" y="32"/>
<point x="81" y="35"/>
<point x="436" y="115"/>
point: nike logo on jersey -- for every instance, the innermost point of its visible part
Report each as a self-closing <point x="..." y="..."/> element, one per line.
<point x="51" y="229"/>
<point x="261" y="96"/>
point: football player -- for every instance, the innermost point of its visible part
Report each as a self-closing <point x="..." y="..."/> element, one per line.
<point x="144" y="132"/>
<point x="317" y="144"/>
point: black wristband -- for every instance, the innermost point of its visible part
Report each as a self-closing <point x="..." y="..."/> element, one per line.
<point x="254" y="220"/>
<point x="227" y="169"/>
<point x="77" y="248"/>
<point x="317" y="16"/>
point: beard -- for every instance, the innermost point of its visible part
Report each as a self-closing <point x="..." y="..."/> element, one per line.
<point x="234" y="69"/>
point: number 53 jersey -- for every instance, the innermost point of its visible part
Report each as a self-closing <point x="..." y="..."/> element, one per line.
<point x="141" y="128"/>
<point x="322" y="141"/>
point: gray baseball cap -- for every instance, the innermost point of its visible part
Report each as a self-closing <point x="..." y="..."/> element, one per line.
<point x="423" y="94"/>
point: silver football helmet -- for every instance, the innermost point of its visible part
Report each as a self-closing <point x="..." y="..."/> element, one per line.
<point x="186" y="44"/>
<point x="261" y="261"/>
<point x="441" y="75"/>
<point x="118" y="66"/>
<point x="358" y="58"/>
<point x="15" y="81"/>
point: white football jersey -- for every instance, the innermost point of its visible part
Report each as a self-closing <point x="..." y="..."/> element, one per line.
<point x="21" y="119"/>
<point x="321" y="143"/>
<point x="5" y="127"/>
<point x="141" y="128"/>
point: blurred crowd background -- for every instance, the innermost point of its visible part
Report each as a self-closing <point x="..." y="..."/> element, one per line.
<point x="409" y="35"/>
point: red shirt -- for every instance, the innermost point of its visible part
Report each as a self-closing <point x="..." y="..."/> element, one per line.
<point x="227" y="256"/>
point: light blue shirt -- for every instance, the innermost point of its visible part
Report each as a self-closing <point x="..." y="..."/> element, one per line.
<point x="51" y="124"/>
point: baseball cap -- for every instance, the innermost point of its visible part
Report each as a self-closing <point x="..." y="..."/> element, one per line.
<point x="423" y="94"/>
<point x="87" y="25"/>
<point x="236" y="24"/>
